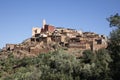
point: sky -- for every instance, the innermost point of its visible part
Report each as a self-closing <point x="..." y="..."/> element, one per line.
<point x="18" y="17"/>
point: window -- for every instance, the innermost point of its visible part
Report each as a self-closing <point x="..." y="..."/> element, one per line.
<point x="36" y="31"/>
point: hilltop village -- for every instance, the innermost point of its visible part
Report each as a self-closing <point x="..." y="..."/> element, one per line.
<point x="48" y="38"/>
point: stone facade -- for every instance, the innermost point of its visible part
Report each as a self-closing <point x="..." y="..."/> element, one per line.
<point x="43" y="39"/>
<point x="10" y="47"/>
<point x="36" y="30"/>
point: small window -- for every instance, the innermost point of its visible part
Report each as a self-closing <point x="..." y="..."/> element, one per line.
<point x="35" y="31"/>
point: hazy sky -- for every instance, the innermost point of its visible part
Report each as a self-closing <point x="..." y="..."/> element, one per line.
<point x="17" y="17"/>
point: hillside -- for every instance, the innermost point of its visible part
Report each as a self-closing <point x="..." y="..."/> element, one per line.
<point x="57" y="65"/>
<point x="62" y="56"/>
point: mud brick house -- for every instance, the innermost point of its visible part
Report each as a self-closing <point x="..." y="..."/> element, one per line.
<point x="48" y="28"/>
<point x="10" y="46"/>
<point x="71" y="38"/>
<point x="48" y="35"/>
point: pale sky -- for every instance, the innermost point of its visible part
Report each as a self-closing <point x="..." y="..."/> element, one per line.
<point x="17" y="17"/>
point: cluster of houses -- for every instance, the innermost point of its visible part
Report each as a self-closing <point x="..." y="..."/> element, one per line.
<point x="65" y="37"/>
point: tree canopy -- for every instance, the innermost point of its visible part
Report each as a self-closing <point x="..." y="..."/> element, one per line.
<point x="57" y="65"/>
<point x="114" y="45"/>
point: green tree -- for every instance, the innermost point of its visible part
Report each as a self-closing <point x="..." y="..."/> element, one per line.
<point x="114" y="20"/>
<point x="58" y="65"/>
<point x="102" y="62"/>
<point x="95" y="65"/>
<point x="114" y="45"/>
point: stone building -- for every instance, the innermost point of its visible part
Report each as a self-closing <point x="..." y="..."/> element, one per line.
<point x="71" y="38"/>
<point x="42" y="39"/>
<point x="48" y="28"/>
<point x="10" y="47"/>
<point x="36" y="30"/>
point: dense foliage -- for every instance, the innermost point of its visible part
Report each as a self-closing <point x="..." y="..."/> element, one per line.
<point x="57" y="65"/>
<point x="114" y="45"/>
